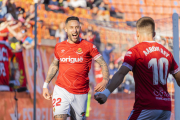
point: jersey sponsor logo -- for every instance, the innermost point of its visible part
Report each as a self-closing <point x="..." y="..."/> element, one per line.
<point x="128" y="53"/>
<point x="62" y="51"/>
<point x="161" y="95"/>
<point x="3" y="54"/>
<point x="79" y="51"/>
<point x="83" y="113"/>
<point x="71" y="60"/>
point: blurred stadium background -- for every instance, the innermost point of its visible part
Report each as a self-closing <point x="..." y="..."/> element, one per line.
<point x="109" y="24"/>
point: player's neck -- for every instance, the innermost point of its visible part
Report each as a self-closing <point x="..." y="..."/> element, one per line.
<point x="71" y="42"/>
<point x="145" y="38"/>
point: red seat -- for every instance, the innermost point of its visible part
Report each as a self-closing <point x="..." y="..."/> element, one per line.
<point x="158" y="3"/>
<point x="135" y="9"/>
<point x="128" y="8"/>
<point x="167" y="10"/>
<point x="149" y="9"/>
<point x="150" y="2"/>
<point x="158" y="10"/>
<point x="167" y="3"/>
<point x="129" y="17"/>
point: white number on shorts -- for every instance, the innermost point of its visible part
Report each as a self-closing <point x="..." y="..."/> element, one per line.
<point x="56" y="102"/>
<point x="162" y="74"/>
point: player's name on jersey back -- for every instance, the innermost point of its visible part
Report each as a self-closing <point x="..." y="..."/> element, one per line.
<point x="153" y="49"/>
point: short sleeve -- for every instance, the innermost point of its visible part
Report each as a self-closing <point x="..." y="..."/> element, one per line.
<point x="130" y="59"/>
<point x="56" y="56"/>
<point x="174" y="67"/>
<point x="94" y="52"/>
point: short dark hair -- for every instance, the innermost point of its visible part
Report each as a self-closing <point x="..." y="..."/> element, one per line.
<point x="89" y="31"/>
<point x="109" y="44"/>
<point x="111" y="62"/>
<point x="71" y="18"/>
<point x="146" y="23"/>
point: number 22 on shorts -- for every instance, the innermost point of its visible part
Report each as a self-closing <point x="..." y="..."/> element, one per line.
<point x="56" y="102"/>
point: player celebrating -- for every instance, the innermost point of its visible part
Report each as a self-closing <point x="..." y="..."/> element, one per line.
<point x="150" y="63"/>
<point x="73" y="59"/>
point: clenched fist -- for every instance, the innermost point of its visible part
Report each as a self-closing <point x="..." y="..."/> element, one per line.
<point x="46" y="94"/>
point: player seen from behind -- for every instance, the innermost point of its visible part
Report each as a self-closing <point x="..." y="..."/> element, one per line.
<point x="150" y="63"/>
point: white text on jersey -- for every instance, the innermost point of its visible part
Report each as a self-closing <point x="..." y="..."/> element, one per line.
<point x="153" y="49"/>
<point x="71" y="60"/>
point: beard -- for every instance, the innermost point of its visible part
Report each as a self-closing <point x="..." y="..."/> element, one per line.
<point x="74" y="40"/>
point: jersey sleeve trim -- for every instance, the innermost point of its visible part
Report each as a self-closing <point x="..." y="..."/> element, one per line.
<point x="97" y="56"/>
<point x="175" y="71"/>
<point x="56" y="58"/>
<point x="127" y="65"/>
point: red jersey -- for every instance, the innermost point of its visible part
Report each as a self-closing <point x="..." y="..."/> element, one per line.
<point x="151" y="63"/>
<point x="5" y="54"/>
<point x="6" y="37"/>
<point x="74" y="65"/>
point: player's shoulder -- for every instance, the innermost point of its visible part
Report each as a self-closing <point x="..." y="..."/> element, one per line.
<point x="164" y="48"/>
<point x="86" y="43"/>
<point x="134" y="48"/>
<point x="60" y="43"/>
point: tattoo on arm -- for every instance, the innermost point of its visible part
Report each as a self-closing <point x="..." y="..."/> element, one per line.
<point x="104" y="67"/>
<point x="52" y="71"/>
<point x="60" y="116"/>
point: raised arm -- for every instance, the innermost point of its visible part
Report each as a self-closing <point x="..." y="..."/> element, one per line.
<point x="50" y="75"/>
<point x="177" y="77"/>
<point x="105" y="72"/>
<point x="12" y="31"/>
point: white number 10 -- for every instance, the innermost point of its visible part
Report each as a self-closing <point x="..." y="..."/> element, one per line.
<point x="162" y="76"/>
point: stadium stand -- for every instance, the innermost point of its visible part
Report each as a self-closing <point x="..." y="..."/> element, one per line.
<point x="117" y="29"/>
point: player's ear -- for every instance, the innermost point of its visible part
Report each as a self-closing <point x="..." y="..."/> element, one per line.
<point x="65" y="28"/>
<point x="154" y="34"/>
<point x="137" y="33"/>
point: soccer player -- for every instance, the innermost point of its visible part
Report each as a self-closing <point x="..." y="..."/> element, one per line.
<point x="150" y="63"/>
<point x="73" y="59"/>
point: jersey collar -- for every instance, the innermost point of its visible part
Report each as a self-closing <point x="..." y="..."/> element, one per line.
<point x="149" y="41"/>
<point x="79" y="40"/>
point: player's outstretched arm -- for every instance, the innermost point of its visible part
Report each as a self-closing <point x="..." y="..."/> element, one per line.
<point x="105" y="72"/>
<point x="50" y="75"/>
<point x="117" y="79"/>
<point x="177" y="77"/>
